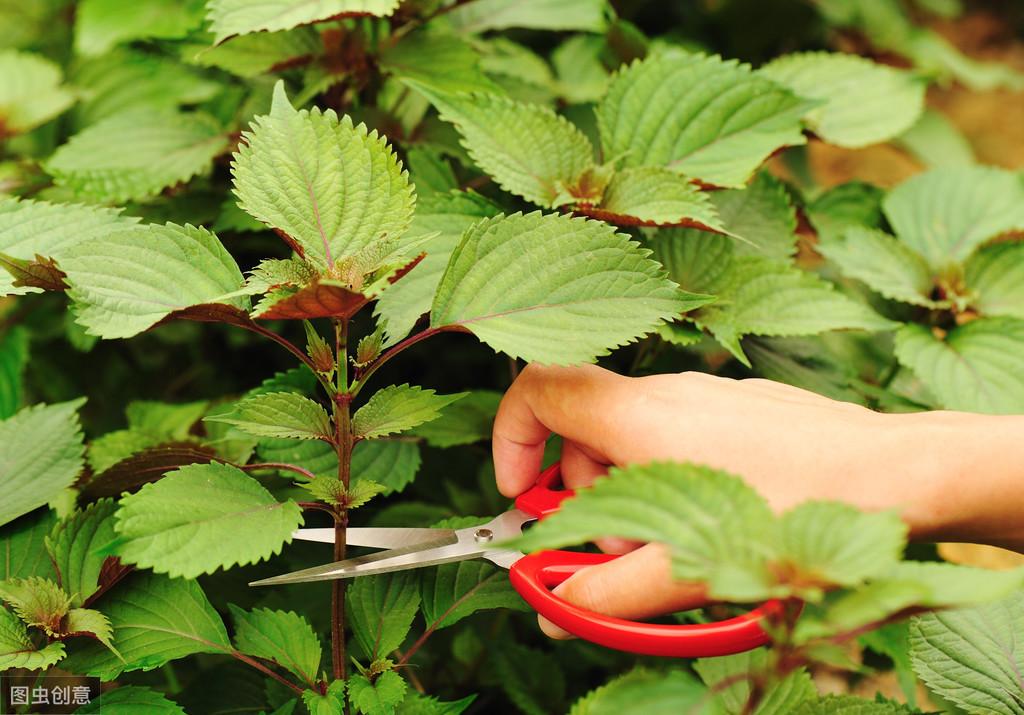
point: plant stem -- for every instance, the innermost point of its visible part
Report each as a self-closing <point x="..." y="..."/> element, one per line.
<point x="290" y="347"/>
<point x="363" y="376"/>
<point x="265" y="670"/>
<point x="343" y="446"/>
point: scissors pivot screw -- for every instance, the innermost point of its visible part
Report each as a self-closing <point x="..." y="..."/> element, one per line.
<point x="482" y="536"/>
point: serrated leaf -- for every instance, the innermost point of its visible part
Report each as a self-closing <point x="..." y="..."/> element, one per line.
<point x="40" y="455"/>
<point x="280" y="414"/>
<point x="334" y="491"/>
<point x="13" y="360"/>
<point x="379" y="697"/>
<point x="864" y="102"/>
<point x="854" y="203"/>
<point x="431" y="173"/>
<point x="418" y="704"/>
<point x="155" y="620"/>
<point x="391" y="463"/>
<point x="641" y="690"/>
<point x="451" y="214"/>
<point x="972" y="657"/>
<point x="37" y="601"/>
<point x="528" y="149"/>
<point x="946" y="213"/>
<point x="883" y="263"/>
<point x="200" y="518"/>
<point x="101" y="24"/>
<point x="17" y="649"/>
<point x="281" y="636"/>
<point x="781" y="697"/>
<point x="483" y="15"/>
<point x="86" y="621"/>
<point x="30" y="228"/>
<point x="74" y="544"/>
<point x="851" y="705"/>
<point x="468" y="420"/>
<point x="330" y="703"/>
<point x="135" y="155"/>
<point x="129" y="280"/>
<point x="654" y="196"/>
<point x="319" y="299"/>
<point x="334" y="189"/>
<point x="143" y="467"/>
<point x="438" y="60"/>
<point x="31" y="93"/>
<point x="22" y="546"/>
<point x="761" y="215"/>
<point x="239" y="17"/>
<point x="39" y="273"/>
<point x="450" y="592"/>
<point x="588" y="289"/>
<point x="710" y="119"/>
<point x="131" y="700"/>
<point x="381" y="609"/>
<point x="254" y="54"/>
<point x="973" y="368"/>
<point x="398" y="408"/>
<point x="994" y="277"/>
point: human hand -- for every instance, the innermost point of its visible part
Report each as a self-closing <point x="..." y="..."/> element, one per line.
<point x="789" y="444"/>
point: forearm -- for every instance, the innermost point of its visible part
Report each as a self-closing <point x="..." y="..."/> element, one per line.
<point x="968" y="471"/>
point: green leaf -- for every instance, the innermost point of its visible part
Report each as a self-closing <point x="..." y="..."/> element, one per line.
<point x="391" y="463"/>
<point x="760" y="214"/>
<point x="74" y="546"/>
<point x="893" y="641"/>
<point x="279" y="414"/>
<point x="17" y="649"/>
<point x="334" y="491"/>
<point x="945" y="214"/>
<point x="101" y="24"/>
<point x="30" y="228"/>
<point x="155" y="620"/>
<point x="654" y="196"/>
<point x="532" y="679"/>
<point x="450" y="592"/>
<point x="281" y="636"/>
<point x="13" y="360"/>
<point x="484" y="15"/>
<point x="40" y="455"/>
<point x="417" y="704"/>
<point x="587" y="290"/>
<point x="170" y="421"/>
<point x="528" y="149"/>
<point x="31" y="93"/>
<point x="935" y="141"/>
<point x="379" y="697"/>
<point x="437" y="60"/>
<point x="972" y="657"/>
<point x="37" y="601"/>
<point x="851" y="705"/>
<point x="641" y="690"/>
<point x="131" y="700"/>
<point x="333" y="188"/>
<point x="974" y="368"/>
<point x="582" y="77"/>
<point x="710" y="119"/>
<point x="468" y="420"/>
<point x="135" y="155"/>
<point x="995" y="278"/>
<point x="451" y="214"/>
<point x="381" y="609"/>
<point x="86" y="621"/>
<point x="131" y="279"/>
<point x="22" y="546"/>
<point x="252" y="55"/>
<point x="431" y="174"/>
<point x="780" y="698"/>
<point x="331" y="703"/>
<point x="200" y="518"/>
<point x="883" y="263"/>
<point x="863" y="102"/>
<point x="399" y="408"/>
<point x="853" y="204"/>
<point x="946" y="585"/>
<point x="240" y="17"/>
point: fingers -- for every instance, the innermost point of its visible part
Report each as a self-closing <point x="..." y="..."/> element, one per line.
<point x="577" y="403"/>
<point x="635" y="586"/>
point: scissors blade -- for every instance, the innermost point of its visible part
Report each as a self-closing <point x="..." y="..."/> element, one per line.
<point x="378" y="537"/>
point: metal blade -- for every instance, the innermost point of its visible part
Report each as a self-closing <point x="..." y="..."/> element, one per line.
<point x="378" y="537"/>
<point x="470" y="543"/>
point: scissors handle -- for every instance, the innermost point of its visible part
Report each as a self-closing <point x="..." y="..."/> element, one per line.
<point x="534" y="576"/>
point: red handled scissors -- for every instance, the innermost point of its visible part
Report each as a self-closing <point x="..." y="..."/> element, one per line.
<point x="533" y="576"/>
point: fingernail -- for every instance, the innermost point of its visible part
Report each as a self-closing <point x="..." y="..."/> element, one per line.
<point x="553" y="631"/>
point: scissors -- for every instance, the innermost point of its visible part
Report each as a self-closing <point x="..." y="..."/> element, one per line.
<point x="533" y="576"/>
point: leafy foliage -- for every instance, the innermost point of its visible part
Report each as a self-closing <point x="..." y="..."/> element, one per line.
<point x="398" y="408"/>
<point x="281" y="636"/>
<point x="280" y="414"/>
<point x="381" y="610"/>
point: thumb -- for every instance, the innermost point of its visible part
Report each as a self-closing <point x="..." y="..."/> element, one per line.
<point x="635" y="586"/>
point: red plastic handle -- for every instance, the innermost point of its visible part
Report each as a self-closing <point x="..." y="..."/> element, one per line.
<point x="535" y="575"/>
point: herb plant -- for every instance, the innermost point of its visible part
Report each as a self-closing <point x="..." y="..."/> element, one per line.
<point x="227" y="227"/>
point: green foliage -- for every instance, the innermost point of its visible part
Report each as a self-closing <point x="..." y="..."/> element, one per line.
<point x="37" y="602"/>
<point x="17" y="649"/>
<point x="13" y="359"/>
<point x="330" y="703"/>
<point x="376" y="697"/>
<point x="464" y="422"/>
<point x="131" y="699"/>
<point x="784" y="696"/>
<point x="74" y="546"/>
<point x="281" y="636"/>
<point x="200" y="518"/>
<point x="22" y="546"/>
<point x="41" y="453"/>
<point x="238" y="17"/>
<point x="31" y="93"/>
<point x="381" y="610"/>
<point x="655" y="692"/>
<point x="280" y="414"/>
<point x="398" y="408"/>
